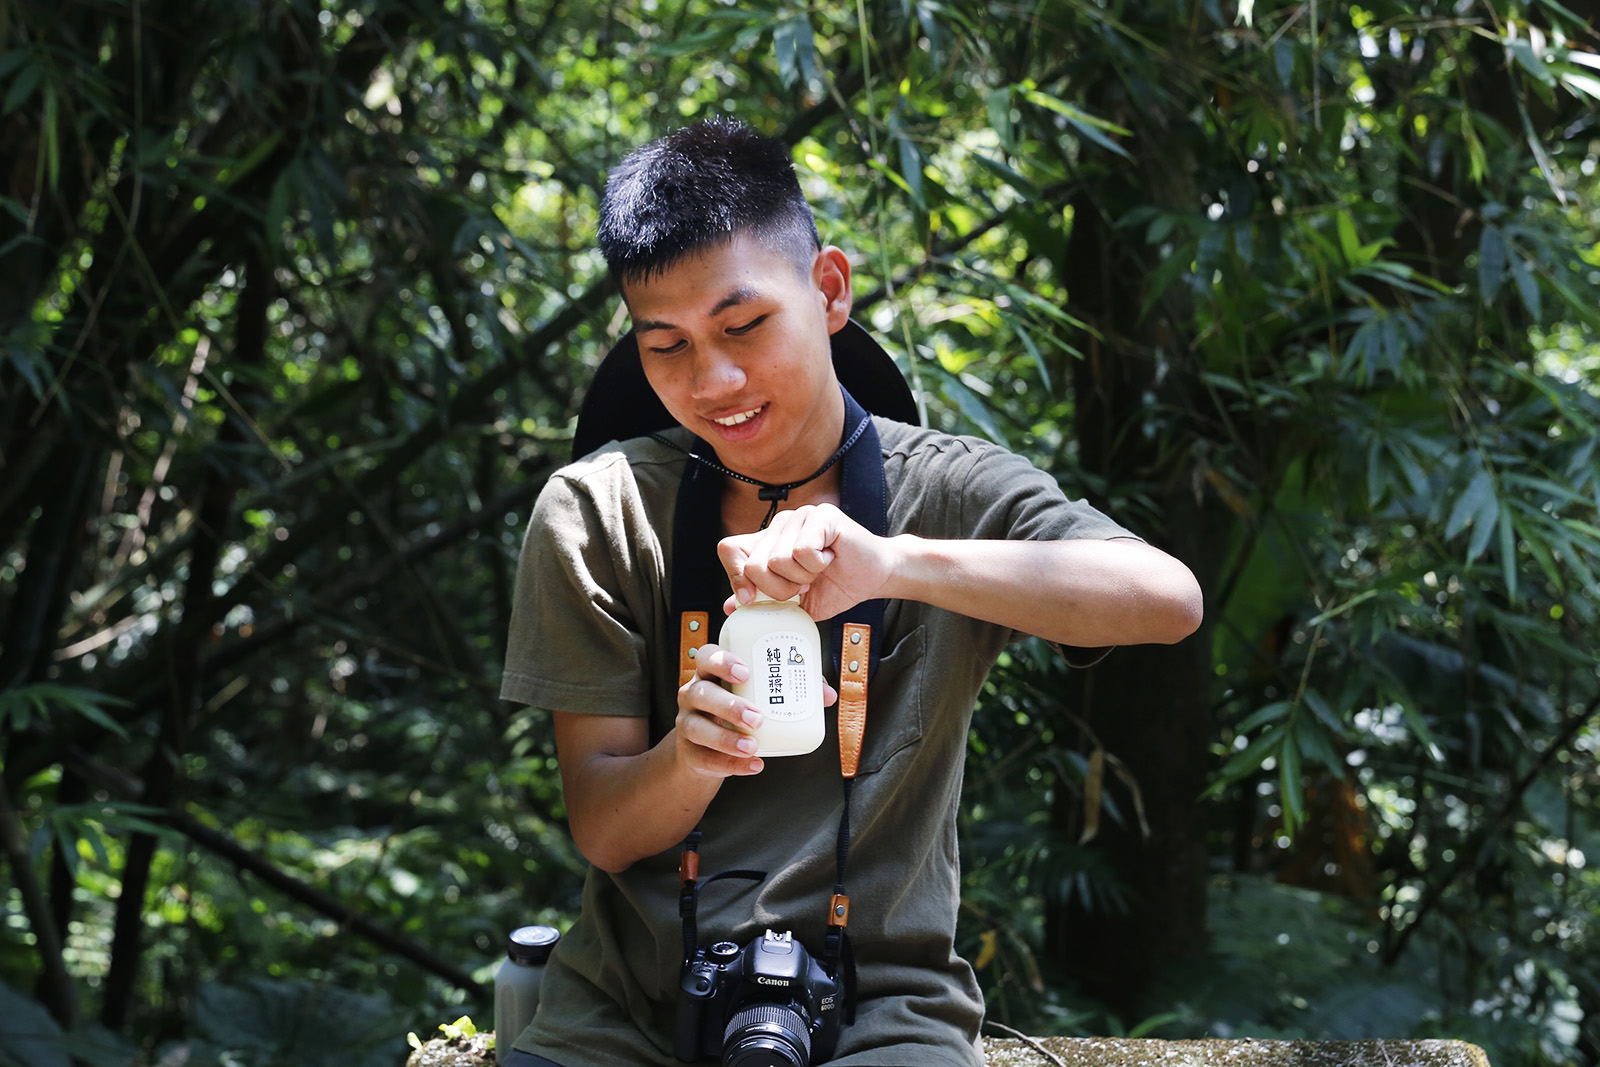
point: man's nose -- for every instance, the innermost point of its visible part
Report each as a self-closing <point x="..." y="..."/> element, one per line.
<point x="716" y="374"/>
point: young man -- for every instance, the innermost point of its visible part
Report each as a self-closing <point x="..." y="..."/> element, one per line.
<point x="965" y="547"/>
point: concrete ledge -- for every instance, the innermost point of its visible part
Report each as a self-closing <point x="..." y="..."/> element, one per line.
<point x="1150" y="1052"/>
<point x="477" y="1051"/>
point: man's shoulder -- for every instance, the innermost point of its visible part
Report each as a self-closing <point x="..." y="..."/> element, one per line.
<point x="638" y="459"/>
<point x="918" y="444"/>
<point x="619" y="485"/>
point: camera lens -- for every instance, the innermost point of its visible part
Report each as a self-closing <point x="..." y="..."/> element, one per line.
<point x="767" y="1035"/>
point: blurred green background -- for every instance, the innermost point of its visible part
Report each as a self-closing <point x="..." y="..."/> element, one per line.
<point x="297" y="300"/>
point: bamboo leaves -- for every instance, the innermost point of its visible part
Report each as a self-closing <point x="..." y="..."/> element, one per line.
<point x="1476" y="505"/>
<point x="1093" y="128"/>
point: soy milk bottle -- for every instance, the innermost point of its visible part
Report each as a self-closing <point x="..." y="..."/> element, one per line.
<point x="781" y="646"/>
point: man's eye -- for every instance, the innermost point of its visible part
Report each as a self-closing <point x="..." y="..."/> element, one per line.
<point x="668" y="350"/>
<point x="747" y="327"/>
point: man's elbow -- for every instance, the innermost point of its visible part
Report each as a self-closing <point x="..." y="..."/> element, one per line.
<point x="598" y="850"/>
<point x="610" y="864"/>
<point x="1182" y="607"/>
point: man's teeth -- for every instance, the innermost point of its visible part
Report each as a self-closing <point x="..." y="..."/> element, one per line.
<point x="734" y="420"/>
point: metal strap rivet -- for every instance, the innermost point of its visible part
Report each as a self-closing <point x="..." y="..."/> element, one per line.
<point x="694" y="624"/>
<point x="692" y="651"/>
<point x="855" y="639"/>
<point x="855" y="665"/>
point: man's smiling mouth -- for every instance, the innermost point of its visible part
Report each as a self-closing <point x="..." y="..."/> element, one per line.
<point x="743" y="416"/>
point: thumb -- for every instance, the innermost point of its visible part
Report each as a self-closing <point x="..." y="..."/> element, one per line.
<point x="733" y="558"/>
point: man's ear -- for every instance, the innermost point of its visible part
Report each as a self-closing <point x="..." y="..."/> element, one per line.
<point x="831" y="273"/>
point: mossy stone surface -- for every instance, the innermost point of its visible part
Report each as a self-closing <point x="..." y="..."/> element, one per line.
<point x="478" y="1051"/>
<point x="1149" y="1052"/>
<point x="474" y="1051"/>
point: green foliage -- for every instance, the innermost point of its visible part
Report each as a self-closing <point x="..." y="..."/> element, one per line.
<point x="1328" y="982"/>
<point x="296" y="301"/>
<point x="461" y="1029"/>
<point x="21" y="707"/>
<point x="262" y="1021"/>
<point x="30" y="1037"/>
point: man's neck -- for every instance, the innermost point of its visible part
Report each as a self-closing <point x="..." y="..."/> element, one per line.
<point x="743" y="509"/>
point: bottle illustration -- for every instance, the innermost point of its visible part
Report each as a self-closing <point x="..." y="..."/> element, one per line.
<point x="781" y="646"/>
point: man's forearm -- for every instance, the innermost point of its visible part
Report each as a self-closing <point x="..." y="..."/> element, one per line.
<point x="623" y="808"/>
<point x="1082" y="592"/>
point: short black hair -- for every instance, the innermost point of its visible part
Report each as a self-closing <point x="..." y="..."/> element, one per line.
<point x="696" y="188"/>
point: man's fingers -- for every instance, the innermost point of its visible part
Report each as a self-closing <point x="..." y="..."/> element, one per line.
<point x="728" y="711"/>
<point x="731" y="551"/>
<point x="711" y="716"/>
<point x="710" y="730"/>
<point x="714" y="661"/>
<point x="784" y="559"/>
<point x="782" y="537"/>
<point x="714" y="730"/>
<point x="800" y="550"/>
<point x="780" y="580"/>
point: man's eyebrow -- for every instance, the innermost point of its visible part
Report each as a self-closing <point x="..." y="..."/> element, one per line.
<point x="742" y="295"/>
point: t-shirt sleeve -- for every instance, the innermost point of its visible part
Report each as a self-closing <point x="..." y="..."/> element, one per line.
<point x="575" y="642"/>
<point x="1007" y="498"/>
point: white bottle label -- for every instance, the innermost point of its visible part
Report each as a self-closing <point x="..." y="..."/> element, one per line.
<point x="781" y="691"/>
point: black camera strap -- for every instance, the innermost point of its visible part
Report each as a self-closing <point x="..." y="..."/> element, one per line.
<point x="837" y="955"/>
<point x="856" y="648"/>
<point x="689" y="886"/>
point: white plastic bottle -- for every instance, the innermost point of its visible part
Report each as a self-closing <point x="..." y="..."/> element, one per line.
<point x="516" y="983"/>
<point x="781" y="646"/>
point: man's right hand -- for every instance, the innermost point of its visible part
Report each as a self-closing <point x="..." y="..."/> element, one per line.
<point x="714" y="727"/>
<point x="627" y="799"/>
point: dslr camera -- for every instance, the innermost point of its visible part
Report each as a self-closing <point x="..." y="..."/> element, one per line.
<point x="768" y="1004"/>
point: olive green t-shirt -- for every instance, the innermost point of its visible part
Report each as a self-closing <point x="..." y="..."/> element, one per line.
<point x="591" y="634"/>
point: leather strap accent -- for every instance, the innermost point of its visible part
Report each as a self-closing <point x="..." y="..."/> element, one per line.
<point x="839" y="910"/>
<point x="688" y="866"/>
<point x="693" y="628"/>
<point x="853" y="665"/>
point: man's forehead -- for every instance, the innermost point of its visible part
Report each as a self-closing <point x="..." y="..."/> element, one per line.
<point x="715" y="277"/>
<point x="742" y="293"/>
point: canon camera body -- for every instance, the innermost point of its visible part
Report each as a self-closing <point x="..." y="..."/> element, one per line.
<point x="769" y="1004"/>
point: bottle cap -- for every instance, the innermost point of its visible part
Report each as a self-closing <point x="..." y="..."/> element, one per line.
<point x="532" y="944"/>
<point x="762" y="598"/>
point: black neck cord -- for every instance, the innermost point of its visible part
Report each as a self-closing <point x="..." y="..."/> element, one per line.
<point x="769" y="491"/>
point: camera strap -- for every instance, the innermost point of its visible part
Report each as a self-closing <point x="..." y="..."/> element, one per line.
<point x="856" y="657"/>
<point x="689" y="886"/>
<point x="700" y="585"/>
<point x="837" y="955"/>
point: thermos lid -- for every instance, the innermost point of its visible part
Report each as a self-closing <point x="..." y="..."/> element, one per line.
<point x="532" y="944"/>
